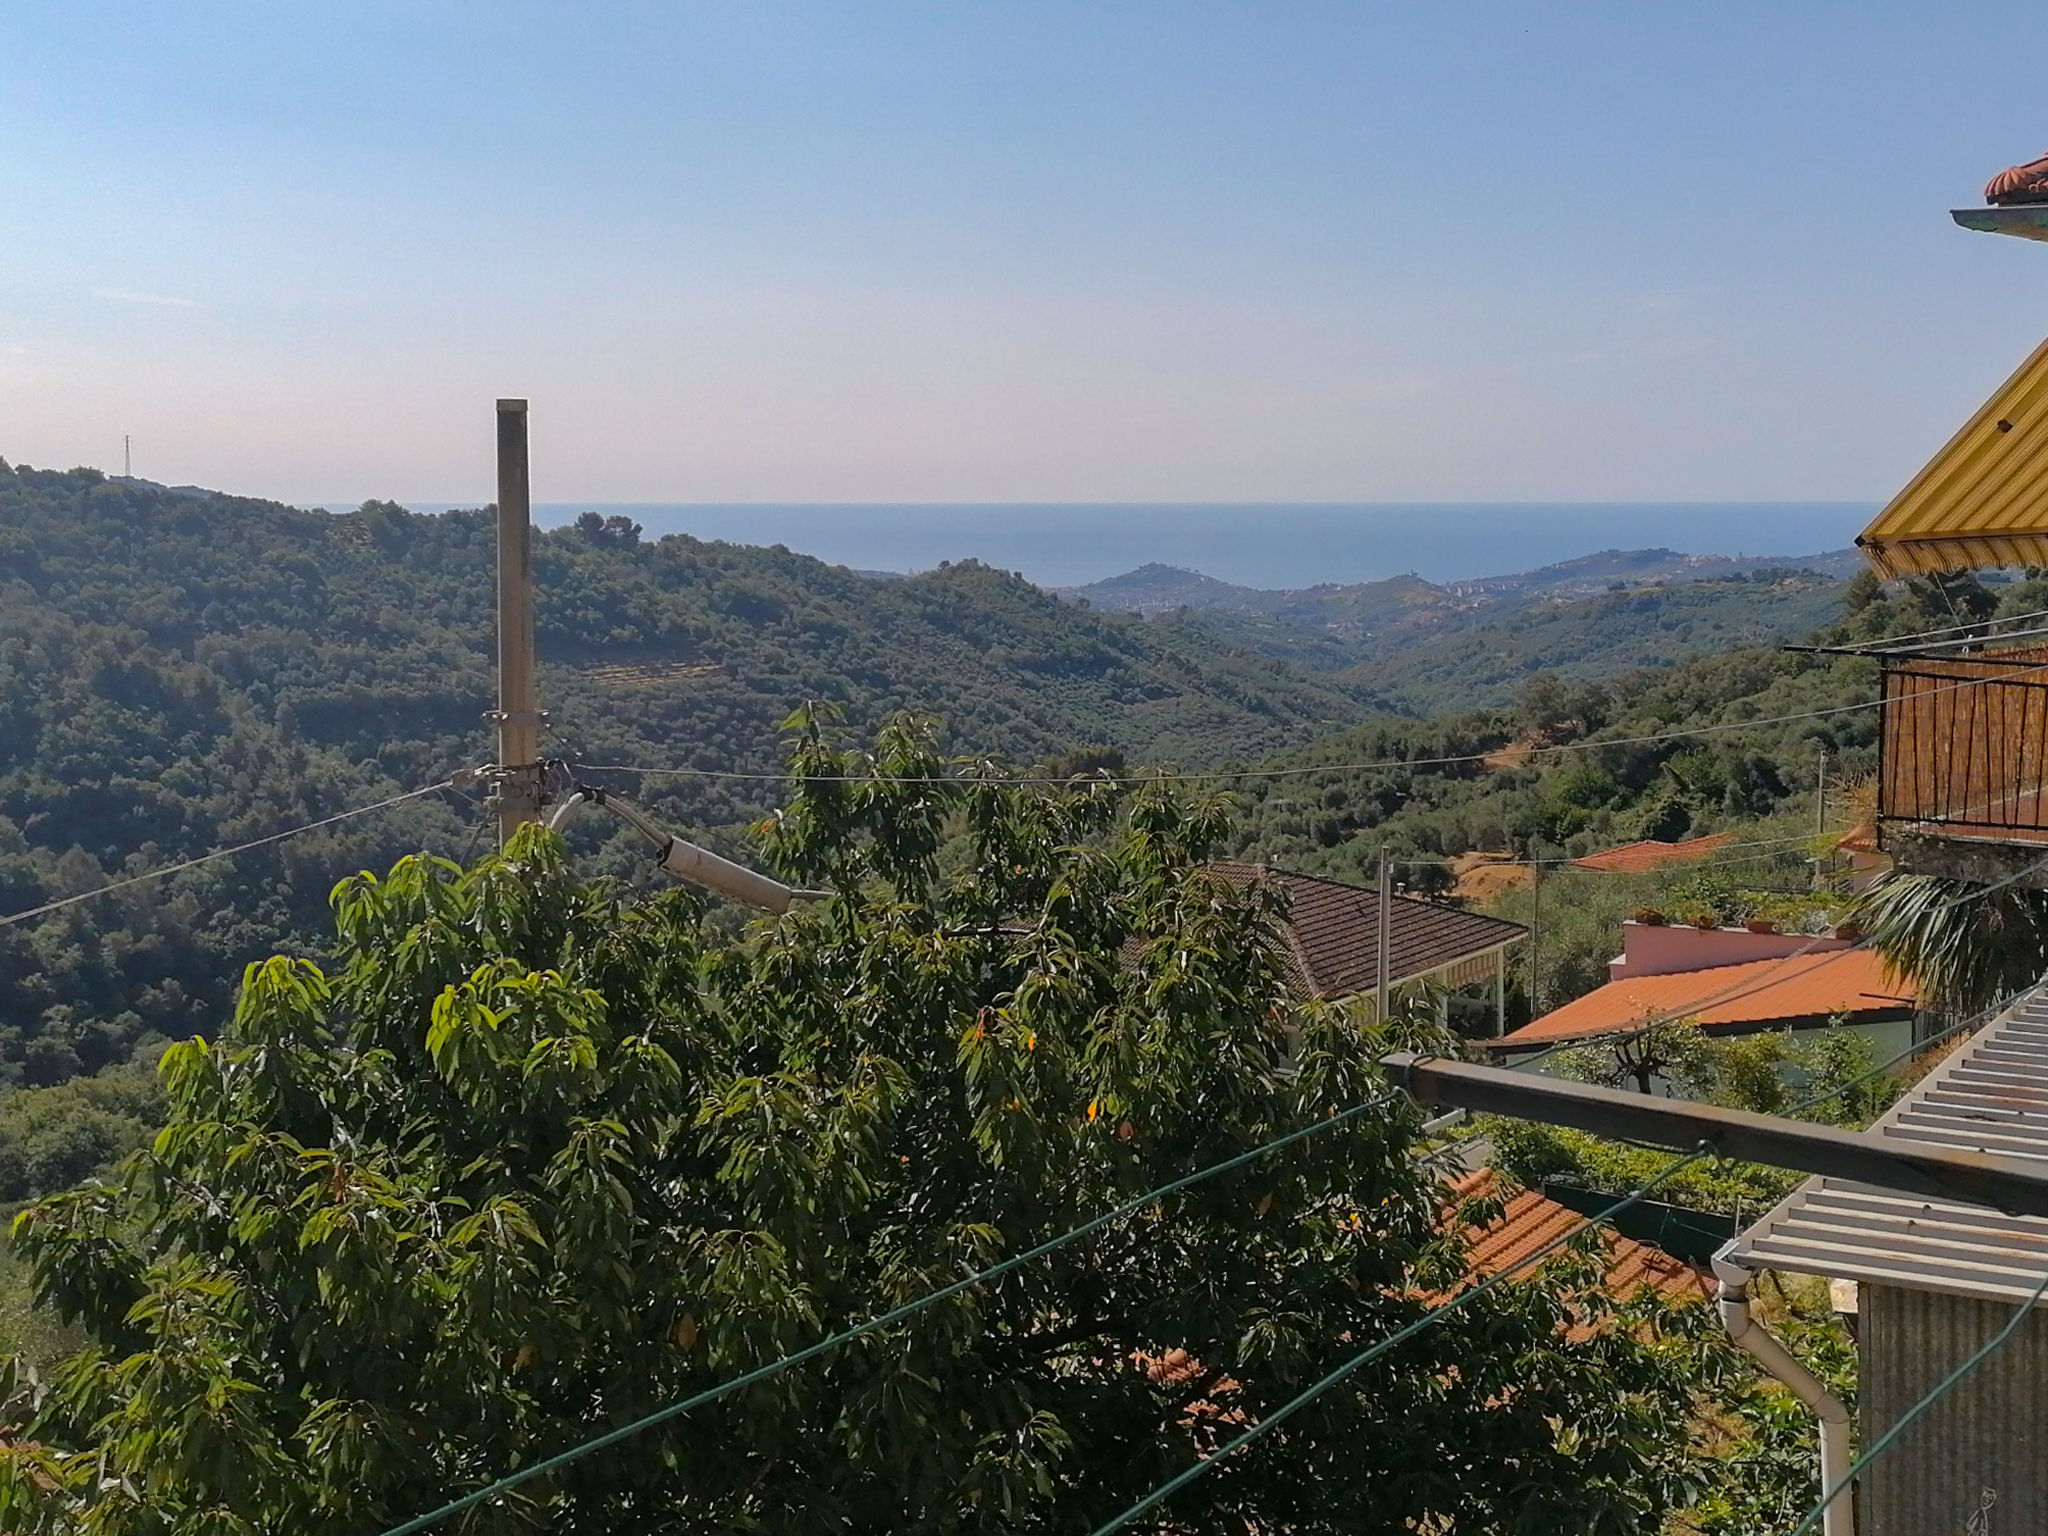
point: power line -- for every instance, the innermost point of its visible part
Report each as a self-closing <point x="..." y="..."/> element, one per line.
<point x="218" y="853"/>
<point x="1941" y="1388"/>
<point x="1164" y="776"/>
<point x="1288" y="1409"/>
<point x="883" y="1320"/>
<point x="1951" y="629"/>
<point x="1130" y="1207"/>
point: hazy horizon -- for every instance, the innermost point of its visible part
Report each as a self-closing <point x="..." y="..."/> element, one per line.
<point x="1257" y="544"/>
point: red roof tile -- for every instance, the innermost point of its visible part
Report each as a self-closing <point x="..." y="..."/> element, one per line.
<point x="1333" y="931"/>
<point x="1797" y="989"/>
<point x="1529" y="1220"/>
<point x="1641" y="858"/>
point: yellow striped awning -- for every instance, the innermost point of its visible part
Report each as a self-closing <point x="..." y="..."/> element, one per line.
<point x="1983" y="500"/>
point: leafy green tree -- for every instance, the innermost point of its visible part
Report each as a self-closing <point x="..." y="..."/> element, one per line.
<point x="531" y="1159"/>
<point x="51" y="1138"/>
<point x="1768" y="1477"/>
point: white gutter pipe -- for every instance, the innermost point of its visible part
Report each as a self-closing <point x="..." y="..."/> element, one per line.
<point x="1839" y="1517"/>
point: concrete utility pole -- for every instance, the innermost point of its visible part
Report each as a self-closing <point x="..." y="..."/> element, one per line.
<point x="518" y="713"/>
<point x="1820" y="817"/>
<point x="1386" y="944"/>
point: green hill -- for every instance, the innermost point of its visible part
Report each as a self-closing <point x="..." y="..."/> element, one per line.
<point x="1601" y="637"/>
<point x="181" y="670"/>
<point x="1424" y="647"/>
<point x="1746" y="727"/>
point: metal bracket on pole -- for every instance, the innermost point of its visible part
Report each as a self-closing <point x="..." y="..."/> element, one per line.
<point x="515" y="790"/>
<point x="2017" y="1186"/>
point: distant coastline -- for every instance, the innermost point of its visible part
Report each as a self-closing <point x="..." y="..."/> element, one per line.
<point x="1272" y="544"/>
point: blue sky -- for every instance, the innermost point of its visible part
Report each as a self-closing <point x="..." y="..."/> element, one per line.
<point x="1010" y="251"/>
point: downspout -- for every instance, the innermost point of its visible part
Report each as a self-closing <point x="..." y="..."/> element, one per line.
<point x="1839" y="1518"/>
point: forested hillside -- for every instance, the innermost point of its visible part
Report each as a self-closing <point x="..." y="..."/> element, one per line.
<point x="1596" y="638"/>
<point x="1512" y="789"/>
<point x="181" y="671"/>
<point x="1426" y="648"/>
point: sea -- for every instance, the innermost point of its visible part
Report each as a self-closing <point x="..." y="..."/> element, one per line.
<point x="1254" y="544"/>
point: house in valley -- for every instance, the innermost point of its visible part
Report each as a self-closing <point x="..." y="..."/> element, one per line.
<point x="1733" y="981"/>
<point x="1335" y="936"/>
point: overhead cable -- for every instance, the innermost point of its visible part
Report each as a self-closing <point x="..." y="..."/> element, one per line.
<point x="1941" y="1389"/>
<point x="219" y="853"/>
<point x="893" y="1315"/>
<point x="1708" y="860"/>
<point x="1770" y="977"/>
<point x="1365" y="1357"/>
<point x="1951" y="629"/>
<point x="1664" y="1175"/>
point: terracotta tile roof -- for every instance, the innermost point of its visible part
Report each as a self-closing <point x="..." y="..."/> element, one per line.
<point x="1641" y="858"/>
<point x="1333" y="932"/>
<point x="1529" y="1220"/>
<point x="1794" y="990"/>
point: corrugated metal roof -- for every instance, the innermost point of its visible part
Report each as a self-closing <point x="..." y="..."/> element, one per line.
<point x="1991" y="1095"/>
<point x="1786" y="991"/>
<point x="1982" y="500"/>
<point x="1333" y="932"/>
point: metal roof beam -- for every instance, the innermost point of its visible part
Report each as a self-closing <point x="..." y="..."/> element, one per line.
<point x="2018" y="1186"/>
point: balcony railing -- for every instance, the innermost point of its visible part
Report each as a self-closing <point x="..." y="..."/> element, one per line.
<point x="1965" y="750"/>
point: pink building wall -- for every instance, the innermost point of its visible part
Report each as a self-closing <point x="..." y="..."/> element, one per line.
<point x="1656" y="949"/>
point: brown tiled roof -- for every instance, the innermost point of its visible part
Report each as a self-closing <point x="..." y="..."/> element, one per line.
<point x="1529" y="1220"/>
<point x="1333" y="932"/>
<point x="1791" y="990"/>
<point x="1526" y="1222"/>
<point x="1641" y="858"/>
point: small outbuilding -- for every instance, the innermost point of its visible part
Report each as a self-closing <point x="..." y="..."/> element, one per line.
<point x="1334" y="935"/>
